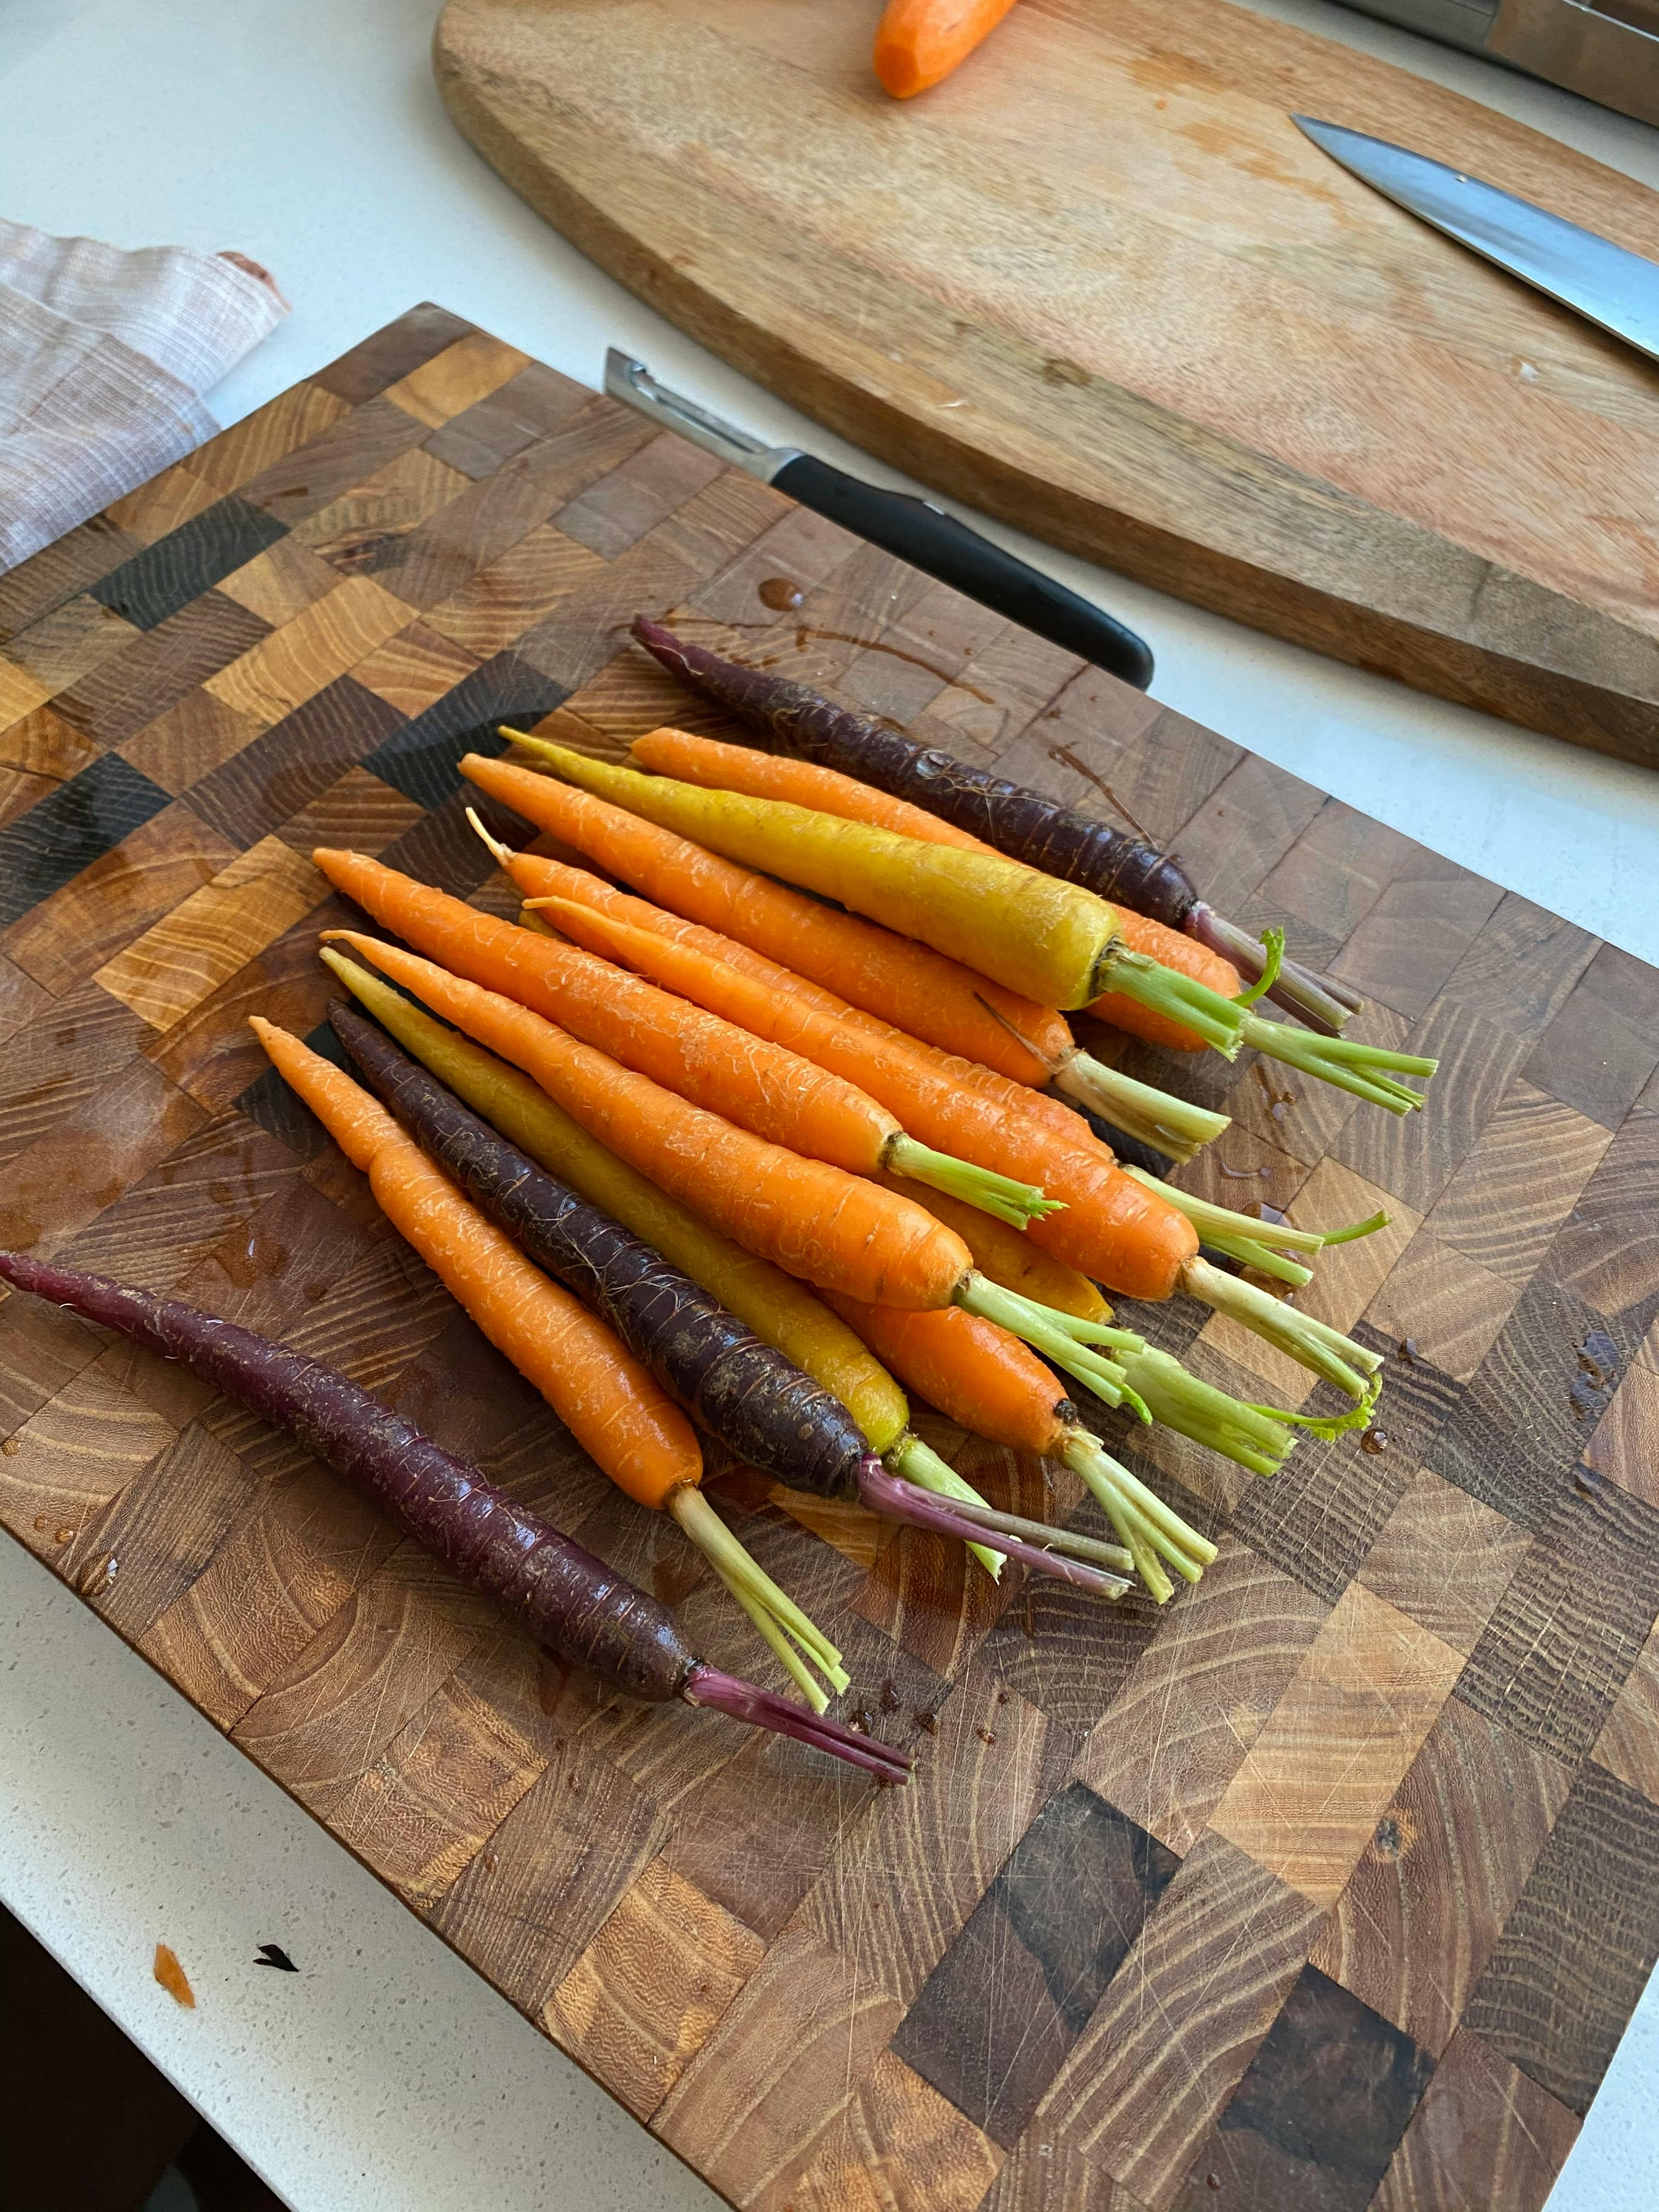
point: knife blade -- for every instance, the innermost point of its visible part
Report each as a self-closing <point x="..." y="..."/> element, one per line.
<point x="1606" y="283"/>
<point x="914" y="529"/>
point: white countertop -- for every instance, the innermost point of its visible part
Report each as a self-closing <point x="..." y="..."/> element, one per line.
<point x="308" y="134"/>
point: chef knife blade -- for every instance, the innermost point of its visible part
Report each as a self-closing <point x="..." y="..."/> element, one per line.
<point x="914" y="529"/>
<point x="1604" y="282"/>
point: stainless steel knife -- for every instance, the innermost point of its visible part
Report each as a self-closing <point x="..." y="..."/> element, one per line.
<point x="1606" y="283"/>
<point x="914" y="529"/>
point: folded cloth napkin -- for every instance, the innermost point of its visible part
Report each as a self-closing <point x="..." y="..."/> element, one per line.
<point x="104" y="355"/>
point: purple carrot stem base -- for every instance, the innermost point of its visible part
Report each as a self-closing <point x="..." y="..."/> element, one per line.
<point x="895" y="1499"/>
<point x="743" y="1701"/>
<point x="1323" y="1002"/>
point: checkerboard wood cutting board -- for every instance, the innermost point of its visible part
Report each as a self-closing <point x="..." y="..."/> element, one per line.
<point x="1333" y="1885"/>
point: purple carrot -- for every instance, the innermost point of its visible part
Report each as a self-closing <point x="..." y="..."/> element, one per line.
<point x="583" y="1611"/>
<point x="1017" y="821"/>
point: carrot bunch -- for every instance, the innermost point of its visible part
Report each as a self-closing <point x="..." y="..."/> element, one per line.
<point x="1131" y="1233"/>
<point x="790" y="1417"/>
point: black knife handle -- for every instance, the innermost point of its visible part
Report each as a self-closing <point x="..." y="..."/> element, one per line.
<point x="940" y="545"/>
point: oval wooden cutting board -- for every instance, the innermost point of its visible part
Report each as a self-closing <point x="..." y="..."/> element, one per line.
<point x="1098" y="284"/>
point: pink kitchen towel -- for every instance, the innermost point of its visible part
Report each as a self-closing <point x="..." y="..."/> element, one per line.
<point x="104" y="357"/>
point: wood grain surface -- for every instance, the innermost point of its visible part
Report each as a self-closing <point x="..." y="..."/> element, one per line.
<point x="1098" y="284"/>
<point x="1331" y="1886"/>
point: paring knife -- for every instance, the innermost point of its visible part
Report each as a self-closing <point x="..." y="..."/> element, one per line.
<point x="1604" y="282"/>
<point x="914" y="529"/>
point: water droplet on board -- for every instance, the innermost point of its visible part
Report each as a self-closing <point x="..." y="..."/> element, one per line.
<point x="1265" y="1213"/>
<point x="779" y="594"/>
<point x="1240" y="1175"/>
<point x="1406" y="1352"/>
<point x="1374" y="1441"/>
<point x="65" y="1535"/>
<point x="12" y="1446"/>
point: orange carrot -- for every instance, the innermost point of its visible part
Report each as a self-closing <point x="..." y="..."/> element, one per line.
<point x="1112" y="1227"/>
<point x="618" y="1412"/>
<point x="787" y="1098"/>
<point x="716" y="767"/>
<point x="1009" y="1257"/>
<point x="538" y="877"/>
<point x="1171" y="972"/>
<point x="919" y="42"/>
<point x="813" y="1220"/>
<point x="612" y="1405"/>
<point x="1137" y="1235"/>
<point x="1238" y="1235"/>
<point x="836" y="1231"/>
<point x="908" y="984"/>
<point x="953" y="1008"/>
<point x="975" y="1373"/>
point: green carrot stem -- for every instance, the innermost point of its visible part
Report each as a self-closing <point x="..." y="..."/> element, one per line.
<point x="915" y="1461"/>
<point x="1157" y="1528"/>
<point x="1272" y="944"/>
<point x="1072" y="1325"/>
<point x="794" y="1665"/>
<point x="1052" y="1333"/>
<point x="1252" y="1437"/>
<point x="1166" y="991"/>
<point x="1254" y="1244"/>
<point x="1327" y="1425"/>
<point x="742" y="1574"/>
<point x="1359" y="1054"/>
<point x="1368" y="1228"/>
<point x="1205" y="1217"/>
<point x="1164" y="1517"/>
<point x="1168" y="1124"/>
<point x="910" y="1459"/>
<point x="999" y="1195"/>
<point x="1317" y="1345"/>
<point x="1343" y="1062"/>
<point x="1099" y="1470"/>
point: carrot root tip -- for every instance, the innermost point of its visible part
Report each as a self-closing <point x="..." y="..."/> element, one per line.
<point x="499" y="852"/>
